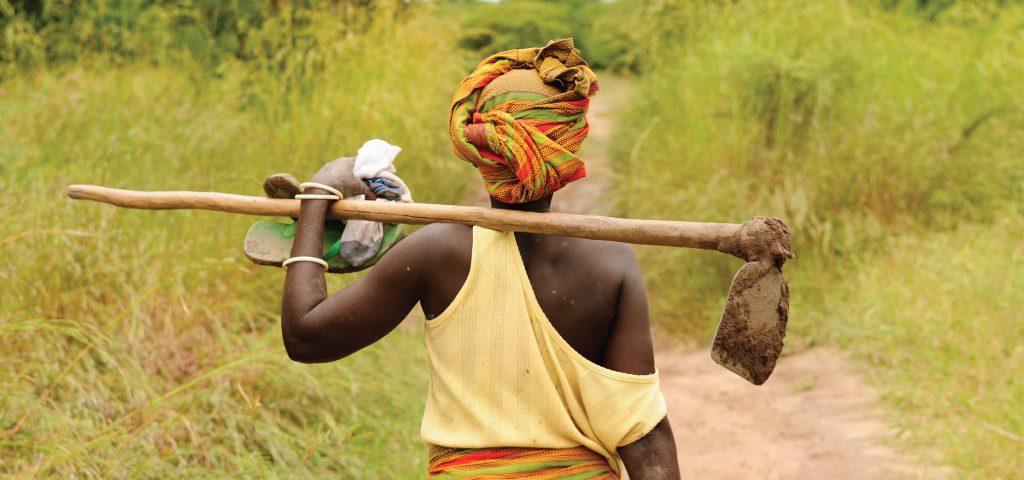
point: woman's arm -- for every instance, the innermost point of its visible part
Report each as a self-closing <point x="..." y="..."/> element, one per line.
<point x="653" y="457"/>
<point x="318" y="328"/>
<point x="631" y="350"/>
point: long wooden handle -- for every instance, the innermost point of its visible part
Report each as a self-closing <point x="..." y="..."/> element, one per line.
<point x="647" y="232"/>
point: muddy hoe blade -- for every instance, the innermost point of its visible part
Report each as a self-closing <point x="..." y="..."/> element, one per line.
<point x="753" y="324"/>
<point x="749" y="338"/>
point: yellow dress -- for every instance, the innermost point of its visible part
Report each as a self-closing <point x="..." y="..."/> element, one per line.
<point x="502" y="376"/>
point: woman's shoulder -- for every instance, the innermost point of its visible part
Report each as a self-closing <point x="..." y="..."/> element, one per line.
<point x="442" y="242"/>
<point x="444" y="232"/>
<point x="615" y="256"/>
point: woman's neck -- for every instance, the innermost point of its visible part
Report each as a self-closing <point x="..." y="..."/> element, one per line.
<point x="529" y="243"/>
<point x="541" y="205"/>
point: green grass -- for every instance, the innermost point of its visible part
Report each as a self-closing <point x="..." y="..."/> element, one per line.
<point x="939" y="319"/>
<point x="892" y="144"/>
<point x="767" y="109"/>
<point x="143" y="344"/>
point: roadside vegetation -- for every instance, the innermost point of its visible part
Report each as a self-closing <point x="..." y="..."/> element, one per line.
<point x="892" y="142"/>
<point x="888" y="134"/>
<point x="143" y="344"/>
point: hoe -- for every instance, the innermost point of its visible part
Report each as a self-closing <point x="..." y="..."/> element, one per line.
<point x="753" y="323"/>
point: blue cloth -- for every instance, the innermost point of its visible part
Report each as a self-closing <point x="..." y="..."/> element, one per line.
<point x="384" y="188"/>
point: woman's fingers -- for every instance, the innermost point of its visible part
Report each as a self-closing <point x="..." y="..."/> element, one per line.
<point x="338" y="174"/>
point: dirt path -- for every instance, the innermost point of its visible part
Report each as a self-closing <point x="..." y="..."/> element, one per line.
<point x="815" y="418"/>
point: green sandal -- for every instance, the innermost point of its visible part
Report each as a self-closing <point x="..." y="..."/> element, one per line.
<point x="269" y="242"/>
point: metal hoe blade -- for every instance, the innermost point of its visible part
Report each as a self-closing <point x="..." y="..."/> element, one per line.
<point x="749" y="337"/>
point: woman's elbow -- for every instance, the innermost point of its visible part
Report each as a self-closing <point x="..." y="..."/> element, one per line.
<point x="301" y="344"/>
<point x="301" y="352"/>
<point x="312" y="354"/>
<point x="305" y="345"/>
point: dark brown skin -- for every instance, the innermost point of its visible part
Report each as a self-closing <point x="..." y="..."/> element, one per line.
<point x="591" y="291"/>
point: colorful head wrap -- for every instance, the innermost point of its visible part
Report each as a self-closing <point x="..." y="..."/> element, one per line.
<point x="520" y="118"/>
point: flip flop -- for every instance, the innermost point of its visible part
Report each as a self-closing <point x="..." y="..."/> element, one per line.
<point x="281" y="185"/>
<point x="269" y="242"/>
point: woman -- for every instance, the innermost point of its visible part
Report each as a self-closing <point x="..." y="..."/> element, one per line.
<point x="539" y="346"/>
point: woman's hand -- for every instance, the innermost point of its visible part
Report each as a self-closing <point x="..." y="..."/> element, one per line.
<point x="338" y="174"/>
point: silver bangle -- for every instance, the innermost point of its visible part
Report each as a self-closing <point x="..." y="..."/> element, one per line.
<point x="320" y="261"/>
<point x="327" y="188"/>
<point x="316" y="196"/>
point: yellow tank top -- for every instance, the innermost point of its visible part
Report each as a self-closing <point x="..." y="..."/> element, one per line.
<point x="502" y="376"/>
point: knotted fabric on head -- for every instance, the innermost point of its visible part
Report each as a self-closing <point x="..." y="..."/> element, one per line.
<point x="520" y="118"/>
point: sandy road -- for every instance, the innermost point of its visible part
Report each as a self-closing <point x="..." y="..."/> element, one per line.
<point x="815" y="418"/>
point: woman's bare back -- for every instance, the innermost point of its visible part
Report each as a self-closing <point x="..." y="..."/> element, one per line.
<point x="577" y="282"/>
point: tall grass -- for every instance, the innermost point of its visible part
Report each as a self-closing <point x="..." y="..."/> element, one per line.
<point x="38" y="34"/>
<point x="143" y="344"/>
<point x="893" y="144"/>
<point x="140" y="344"/>
<point x="850" y="122"/>
<point x="939" y="317"/>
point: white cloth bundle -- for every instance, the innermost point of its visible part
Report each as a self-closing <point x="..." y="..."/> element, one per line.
<point x="361" y="239"/>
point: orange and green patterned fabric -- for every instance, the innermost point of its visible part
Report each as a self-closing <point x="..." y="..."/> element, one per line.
<point x="532" y="134"/>
<point x="577" y="463"/>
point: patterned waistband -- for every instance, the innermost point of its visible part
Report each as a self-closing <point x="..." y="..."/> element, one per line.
<point x="577" y="463"/>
